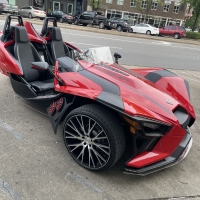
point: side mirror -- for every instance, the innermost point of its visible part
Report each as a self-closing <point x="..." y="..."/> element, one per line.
<point x="41" y="66"/>
<point x="117" y="56"/>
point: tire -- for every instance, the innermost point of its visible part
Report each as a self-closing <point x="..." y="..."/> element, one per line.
<point x="101" y="25"/>
<point x="108" y="28"/>
<point x="30" y="16"/>
<point x="41" y="18"/>
<point x="85" y="24"/>
<point x="176" y="36"/>
<point x="130" y="30"/>
<point x="61" y="20"/>
<point x="76" y="22"/>
<point x="94" y="137"/>
<point x="148" y="32"/>
<point x="119" y="28"/>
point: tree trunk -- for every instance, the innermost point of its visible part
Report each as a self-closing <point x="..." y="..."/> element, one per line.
<point x="196" y="19"/>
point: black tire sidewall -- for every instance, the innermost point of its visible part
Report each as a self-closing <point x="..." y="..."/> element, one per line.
<point x="105" y="126"/>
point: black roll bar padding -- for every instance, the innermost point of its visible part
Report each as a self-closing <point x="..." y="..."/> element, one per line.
<point x="45" y="24"/>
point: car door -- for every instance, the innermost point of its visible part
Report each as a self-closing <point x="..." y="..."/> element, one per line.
<point x="172" y="30"/>
<point x="21" y="11"/>
<point x="27" y="11"/>
<point x="165" y="30"/>
<point x="138" y="28"/>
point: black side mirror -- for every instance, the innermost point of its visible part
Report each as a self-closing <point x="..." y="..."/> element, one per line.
<point x="117" y="56"/>
<point x="41" y="66"/>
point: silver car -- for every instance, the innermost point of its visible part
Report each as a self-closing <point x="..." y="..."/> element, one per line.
<point x="32" y="12"/>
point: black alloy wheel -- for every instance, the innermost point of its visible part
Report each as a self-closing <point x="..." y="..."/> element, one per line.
<point x="94" y="137"/>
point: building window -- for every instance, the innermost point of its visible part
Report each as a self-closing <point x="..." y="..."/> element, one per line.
<point x="120" y="2"/>
<point x="144" y="4"/>
<point x="166" y="8"/>
<point x="132" y="3"/>
<point x="154" y="5"/>
<point x="109" y="1"/>
<point x="176" y="9"/>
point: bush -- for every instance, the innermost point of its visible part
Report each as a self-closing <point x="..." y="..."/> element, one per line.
<point x="193" y="35"/>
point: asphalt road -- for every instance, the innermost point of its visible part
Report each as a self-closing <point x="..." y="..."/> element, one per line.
<point x="137" y="51"/>
<point x="34" y="163"/>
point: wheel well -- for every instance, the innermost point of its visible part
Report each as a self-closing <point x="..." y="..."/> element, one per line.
<point x="80" y="101"/>
<point x="177" y="33"/>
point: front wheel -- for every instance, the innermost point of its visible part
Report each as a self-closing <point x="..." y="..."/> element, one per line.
<point x="94" y="137"/>
<point x="61" y="20"/>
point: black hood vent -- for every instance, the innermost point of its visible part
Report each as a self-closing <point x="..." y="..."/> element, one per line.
<point x="182" y="116"/>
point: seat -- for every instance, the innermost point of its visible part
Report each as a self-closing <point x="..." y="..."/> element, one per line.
<point x="58" y="47"/>
<point x="25" y="53"/>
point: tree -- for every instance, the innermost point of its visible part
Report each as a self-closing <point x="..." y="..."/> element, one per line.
<point x="95" y="4"/>
<point x="149" y="4"/>
<point x="195" y="4"/>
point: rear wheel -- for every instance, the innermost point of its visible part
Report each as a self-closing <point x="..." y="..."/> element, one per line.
<point x="101" y="25"/>
<point x="94" y="137"/>
<point x="30" y="16"/>
<point x="85" y="24"/>
<point x="61" y="20"/>
<point x="76" y="22"/>
<point x="119" y="28"/>
<point x="176" y="36"/>
<point x="148" y="32"/>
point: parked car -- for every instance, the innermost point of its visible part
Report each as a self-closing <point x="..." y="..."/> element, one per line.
<point x="62" y="17"/>
<point x="32" y="12"/>
<point x="144" y="28"/>
<point x="8" y="8"/>
<point x="119" y="24"/>
<point x="91" y="17"/>
<point x="176" y="31"/>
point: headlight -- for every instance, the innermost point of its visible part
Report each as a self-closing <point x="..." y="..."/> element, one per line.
<point x="148" y="127"/>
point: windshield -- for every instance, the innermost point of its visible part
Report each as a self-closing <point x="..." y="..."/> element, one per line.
<point x="88" y="57"/>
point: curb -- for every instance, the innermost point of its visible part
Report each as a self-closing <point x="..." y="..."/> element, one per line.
<point x="114" y="32"/>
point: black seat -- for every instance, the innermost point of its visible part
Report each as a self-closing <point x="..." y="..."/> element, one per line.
<point x="58" y="47"/>
<point x="25" y="53"/>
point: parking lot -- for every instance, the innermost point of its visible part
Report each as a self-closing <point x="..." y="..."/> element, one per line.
<point x="36" y="165"/>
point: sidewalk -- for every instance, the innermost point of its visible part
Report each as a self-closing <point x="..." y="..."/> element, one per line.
<point x="113" y="32"/>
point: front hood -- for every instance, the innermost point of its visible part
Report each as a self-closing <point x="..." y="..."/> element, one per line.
<point x="140" y="96"/>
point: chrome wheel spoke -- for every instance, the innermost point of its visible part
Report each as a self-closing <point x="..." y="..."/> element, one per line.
<point x="100" y="145"/>
<point x="74" y="128"/>
<point x="100" y="138"/>
<point x="81" y="125"/>
<point x="97" y="135"/>
<point x="76" y="146"/>
<point x="72" y="136"/>
<point x="90" y="129"/>
<point x="98" y="155"/>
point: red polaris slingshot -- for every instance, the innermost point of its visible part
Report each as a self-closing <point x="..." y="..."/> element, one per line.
<point x="106" y="110"/>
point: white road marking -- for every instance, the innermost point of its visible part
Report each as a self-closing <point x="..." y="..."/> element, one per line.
<point x="93" y="45"/>
<point x="7" y="189"/>
<point x="190" y="79"/>
<point x="161" y="43"/>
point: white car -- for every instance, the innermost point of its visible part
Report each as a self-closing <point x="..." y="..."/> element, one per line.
<point x="144" y="28"/>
